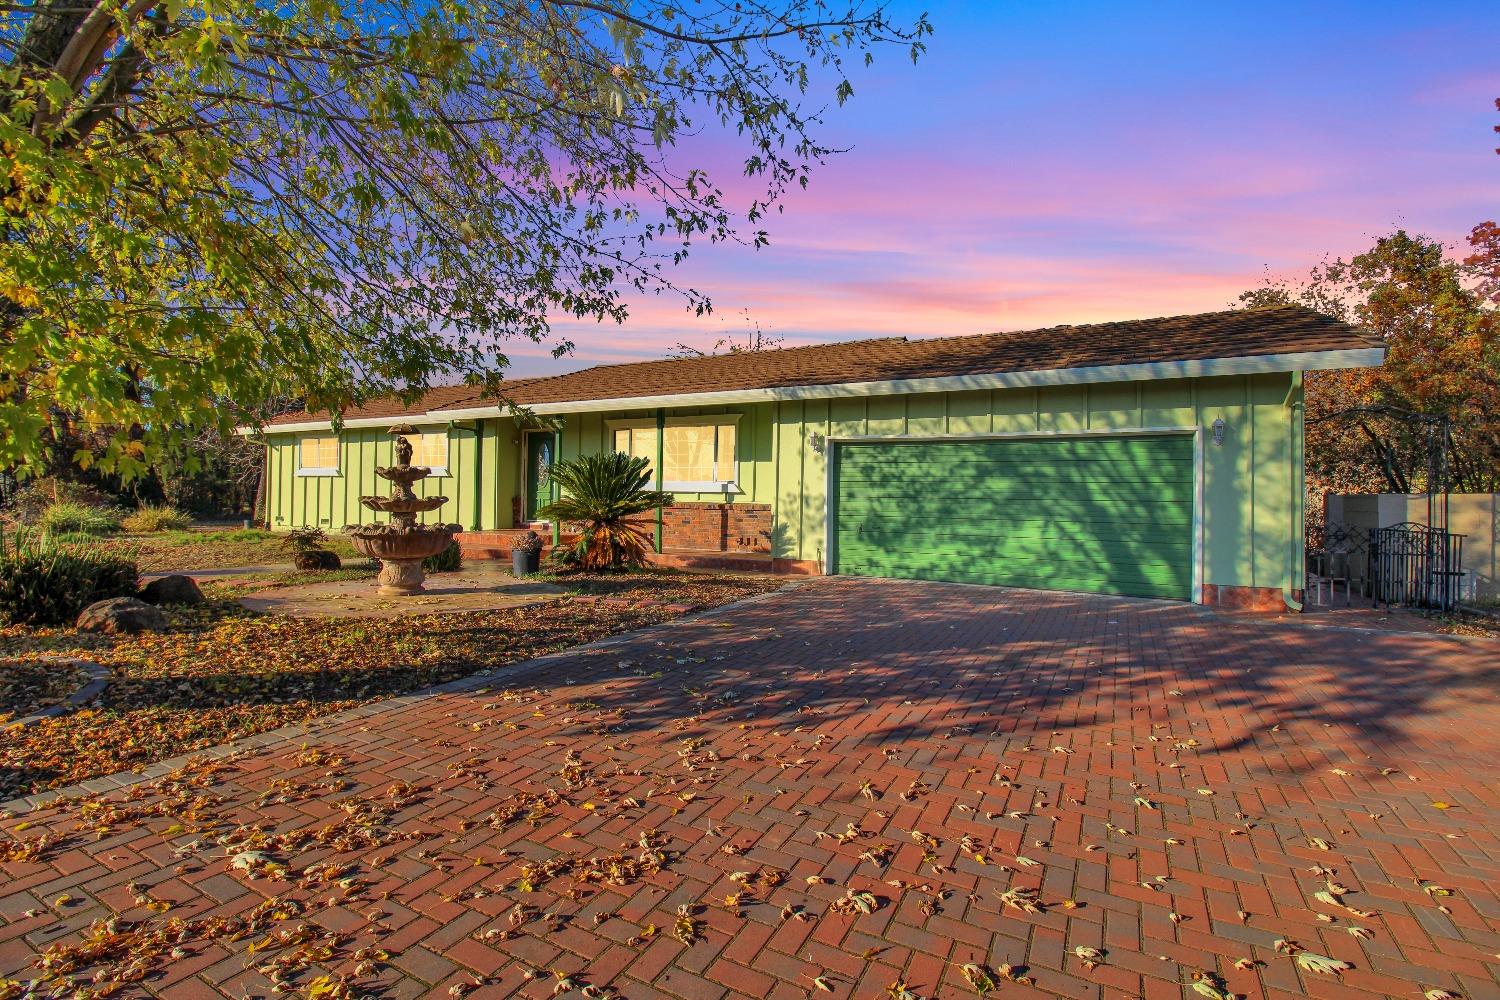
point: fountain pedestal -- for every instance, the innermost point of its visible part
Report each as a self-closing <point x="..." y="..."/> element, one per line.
<point x="402" y="544"/>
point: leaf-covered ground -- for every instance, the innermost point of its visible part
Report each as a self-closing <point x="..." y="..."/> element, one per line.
<point x="223" y="673"/>
<point x="861" y="789"/>
<point x="185" y="550"/>
<point x="28" y="687"/>
<point x="1471" y="623"/>
<point x="238" y="586"/>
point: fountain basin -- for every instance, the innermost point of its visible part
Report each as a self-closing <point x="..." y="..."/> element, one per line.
<point x="401" y="549"/>
<point x="401" y="505"/>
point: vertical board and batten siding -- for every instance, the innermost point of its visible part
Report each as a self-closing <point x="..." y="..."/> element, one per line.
<point x="589" y="434"/>
<point x="332" y="502"/>
<point x="1251" y="486"/>
<point x="1251" y="493"/>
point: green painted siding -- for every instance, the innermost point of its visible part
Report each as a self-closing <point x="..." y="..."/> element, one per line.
<point x="1252" y="507"/>
<point x="1103" y="514"/>
<point x="1251" y="495"/>
<point x="332" y="502"/>
<point x="589" y="433"/>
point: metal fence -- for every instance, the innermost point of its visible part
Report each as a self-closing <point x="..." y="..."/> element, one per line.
<point x="1417" y="566"/>
<point x="1338" y="557"/>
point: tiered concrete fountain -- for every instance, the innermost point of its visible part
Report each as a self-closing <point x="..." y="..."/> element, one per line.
<point x="402" y="544"/>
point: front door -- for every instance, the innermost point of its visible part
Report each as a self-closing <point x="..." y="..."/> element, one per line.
<point x="538" y="461"/>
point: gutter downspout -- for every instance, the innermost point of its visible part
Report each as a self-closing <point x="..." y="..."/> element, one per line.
<point x="1298" y="474"/>
<point x="478" y="431"/>
<point x="661" y="426"/>
<point x="553" y="490"/>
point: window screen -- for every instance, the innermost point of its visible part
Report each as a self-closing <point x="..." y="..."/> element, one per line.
<point x="691" y="453"/>
<point x="430" y="449"/>
<point x="319" y="452"/>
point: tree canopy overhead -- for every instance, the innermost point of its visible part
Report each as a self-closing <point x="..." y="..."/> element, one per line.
<point x="1442" y="334"/>
<point x="212" y="203"/>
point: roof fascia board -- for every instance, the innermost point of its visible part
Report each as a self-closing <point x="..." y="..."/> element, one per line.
<point x="1370" y="357"/>
<point x="356" y="422"/>
<point x="1204" y="368"/>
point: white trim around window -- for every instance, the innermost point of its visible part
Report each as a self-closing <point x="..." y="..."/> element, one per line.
<point x="323" y="446"/>
<point x="725" y="486"/>
<point x="438" y="470"/>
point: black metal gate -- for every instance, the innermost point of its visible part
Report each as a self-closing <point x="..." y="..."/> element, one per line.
<point x="1415" y="565"/>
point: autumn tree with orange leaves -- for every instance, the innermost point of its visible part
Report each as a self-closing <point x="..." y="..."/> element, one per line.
<point x="1439" y="315"/>
<point x="1443" y="341"/>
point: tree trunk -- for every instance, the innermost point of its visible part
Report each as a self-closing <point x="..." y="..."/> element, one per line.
<point x="259" y="515"/>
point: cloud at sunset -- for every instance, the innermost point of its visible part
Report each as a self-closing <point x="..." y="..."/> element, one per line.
<point x="1082" y="164"/>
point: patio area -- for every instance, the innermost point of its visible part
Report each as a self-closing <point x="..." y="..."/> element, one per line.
<point x="868" y="787"/>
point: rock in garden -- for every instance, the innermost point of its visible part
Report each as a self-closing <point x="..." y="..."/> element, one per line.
<point x="174" y="589"/>
<point x="121" y="615"/>
<point x="316" y="559"/>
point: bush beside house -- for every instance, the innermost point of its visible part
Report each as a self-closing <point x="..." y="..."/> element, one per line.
<point x="44" y="583"/>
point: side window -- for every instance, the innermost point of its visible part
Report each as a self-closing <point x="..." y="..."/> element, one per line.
<point x="430" y="448"/>
<point x="318" y="455"/>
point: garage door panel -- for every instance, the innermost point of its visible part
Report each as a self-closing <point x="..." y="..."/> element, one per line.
<point x="1100" y="513"/>
<point x="1109" y="472"/>
<point x="923" y="454"/>
<point x="1106" y="515"/>
<point x="1167" y="587"/>
<point x="1139" y="563"/>
<point x="1033" y="537"/>
<point x="978" y="492"/>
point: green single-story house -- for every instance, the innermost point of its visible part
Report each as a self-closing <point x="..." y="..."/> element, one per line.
<point x="1155" y="458"/>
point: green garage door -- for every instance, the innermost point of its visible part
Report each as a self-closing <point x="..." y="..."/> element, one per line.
<point x="1110" y="515"/>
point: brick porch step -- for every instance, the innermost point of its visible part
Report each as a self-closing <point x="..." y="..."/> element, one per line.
<point x="743" y="562"/>
<point x="497" y="545"/>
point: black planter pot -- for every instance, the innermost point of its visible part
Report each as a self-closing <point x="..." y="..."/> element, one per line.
<point x="524" y="563"/>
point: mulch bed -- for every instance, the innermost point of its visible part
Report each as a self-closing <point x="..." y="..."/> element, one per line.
<point x="224" y="673"/>
<point x="27" y="687"/>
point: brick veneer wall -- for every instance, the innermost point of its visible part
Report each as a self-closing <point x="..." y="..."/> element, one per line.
<point x="714" y="527"/>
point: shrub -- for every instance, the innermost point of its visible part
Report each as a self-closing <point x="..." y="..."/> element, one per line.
<point x="47" y="583"/>
<point x="305" y="539"/>
<point x="600" y="493"/>
<point x="153" y="519"/>
<point x="34" y="496"/>
<point x="72" y="517"/>
<point x="316" y="559"/>
<point x="446" y="561"/>
<point x="307" y="548"/>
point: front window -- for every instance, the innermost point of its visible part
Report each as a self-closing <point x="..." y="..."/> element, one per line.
<point x="430" y="448"/>
<point x="318" y="455"/>
<point x="696" y="457"/>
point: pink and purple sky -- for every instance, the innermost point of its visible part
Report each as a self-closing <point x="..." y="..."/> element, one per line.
<point x="1079" y="162"/>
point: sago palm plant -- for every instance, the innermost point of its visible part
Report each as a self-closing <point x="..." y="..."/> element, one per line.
<point x="599" y="493"/>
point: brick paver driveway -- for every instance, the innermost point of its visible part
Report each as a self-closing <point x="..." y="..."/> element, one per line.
<point x="682" y="813"/>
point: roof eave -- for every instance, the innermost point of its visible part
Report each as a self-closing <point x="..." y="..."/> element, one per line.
<point x="1367" y="357"/>
<point x="1370" y="357"/>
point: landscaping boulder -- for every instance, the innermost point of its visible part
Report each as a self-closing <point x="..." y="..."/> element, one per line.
<point x="311" y="559"/>
<point x="121" y="615"/>
<point x="174" y="589"/>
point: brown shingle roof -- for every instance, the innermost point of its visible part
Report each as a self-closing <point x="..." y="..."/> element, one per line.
<point x="439" y="397"/>
<point x="1230" y="334"/>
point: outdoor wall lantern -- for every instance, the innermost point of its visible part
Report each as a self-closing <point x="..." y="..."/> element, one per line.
<point x="1218" y="427"/>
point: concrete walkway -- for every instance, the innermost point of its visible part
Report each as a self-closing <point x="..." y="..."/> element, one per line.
<point x="478" y="586"/>
<point x="851" y="784"/>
